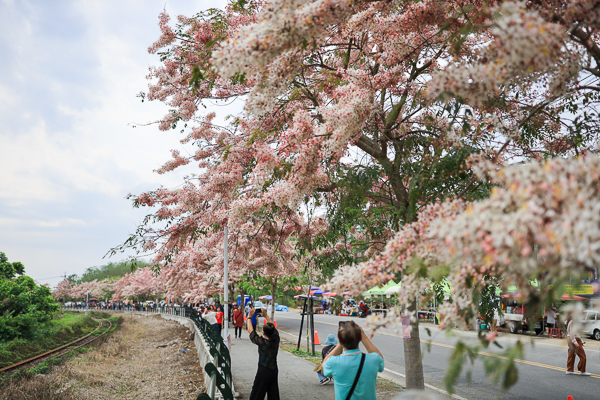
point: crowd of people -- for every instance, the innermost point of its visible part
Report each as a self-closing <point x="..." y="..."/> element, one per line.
<point x="353" y="373"/>
<point x="120" y="306"/>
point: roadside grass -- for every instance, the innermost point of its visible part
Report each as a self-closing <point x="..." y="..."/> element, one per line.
<point x="62" y="329"/>
<point x="302" y="353"/>
<point x="45" y="367"/>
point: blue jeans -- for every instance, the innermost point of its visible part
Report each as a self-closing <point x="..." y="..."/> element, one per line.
<point x="321" y="376"/>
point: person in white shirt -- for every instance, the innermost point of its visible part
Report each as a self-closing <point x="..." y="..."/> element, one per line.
<point x="575" y="348"/>
<point x="495" y="321"/>
<point x="211" y="317"/>
<point x="551" y="318"/>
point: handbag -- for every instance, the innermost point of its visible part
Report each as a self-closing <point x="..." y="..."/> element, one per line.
<point x="319" y="368"/>
<point x="360" y="367"/>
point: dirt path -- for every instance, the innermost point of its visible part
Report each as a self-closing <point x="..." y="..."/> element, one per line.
<point x="128" y="365"/>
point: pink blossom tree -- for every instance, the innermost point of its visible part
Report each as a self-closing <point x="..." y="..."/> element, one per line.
<point x="140" y="284"/>
<point x="62" y="291"/>
<point x="370" y="108"/>
<point x="483" y="59"/>
<point x="79" y="291"/>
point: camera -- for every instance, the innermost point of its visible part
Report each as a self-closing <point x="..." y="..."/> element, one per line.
<point x="258" y="312"/>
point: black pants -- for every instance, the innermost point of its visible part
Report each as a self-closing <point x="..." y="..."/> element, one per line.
<point x="265" y="383"/>
<point x="236" y="331"/>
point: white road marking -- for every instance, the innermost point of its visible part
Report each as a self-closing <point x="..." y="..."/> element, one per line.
<point x="437" y="389"/>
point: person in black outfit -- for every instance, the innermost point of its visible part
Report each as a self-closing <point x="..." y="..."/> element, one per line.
<point x="330" y="344"/>
<point x="265" y="382"/>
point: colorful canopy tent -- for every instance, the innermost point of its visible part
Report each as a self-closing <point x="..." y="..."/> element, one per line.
<point x="568" y="297"/>
<point x="311" y="288"/>
<point x="303" y="296"/>
<point x="514" y="289"/>
<point x="267" y="297"/>
<point x="319" y="292"/>
<point x="394" y="289"/>
<point x="380" y="290"/>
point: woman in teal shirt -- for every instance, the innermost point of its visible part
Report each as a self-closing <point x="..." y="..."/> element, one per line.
<point x="343" y="364"/>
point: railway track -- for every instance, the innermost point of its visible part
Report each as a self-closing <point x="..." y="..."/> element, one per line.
<point x="60" y="351"/>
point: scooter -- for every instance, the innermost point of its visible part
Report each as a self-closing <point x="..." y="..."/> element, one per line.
<point x="364" y="313"/>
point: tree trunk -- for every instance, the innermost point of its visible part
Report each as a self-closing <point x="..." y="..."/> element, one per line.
<point x="273" y="287"/>
<point x="243" y="304"/>
<point x="413" y="365"/>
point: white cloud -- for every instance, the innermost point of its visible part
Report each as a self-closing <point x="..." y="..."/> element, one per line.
<point x="54" y="223"/>
<point x="69" y="76"/>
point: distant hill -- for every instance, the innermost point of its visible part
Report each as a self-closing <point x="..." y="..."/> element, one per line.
<point x="110" y="270"/>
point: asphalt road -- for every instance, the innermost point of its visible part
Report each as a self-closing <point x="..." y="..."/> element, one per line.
<point x="541" y="370"/>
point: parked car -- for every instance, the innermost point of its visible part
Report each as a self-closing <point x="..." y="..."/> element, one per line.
<point x="591" y="324"/>
<point x="279" y="308"/>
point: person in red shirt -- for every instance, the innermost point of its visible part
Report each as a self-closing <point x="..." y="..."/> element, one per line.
<point x="219" y="316"/>
<point x="238" y="321"/>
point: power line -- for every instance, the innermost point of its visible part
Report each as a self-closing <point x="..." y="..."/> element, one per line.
<point x="47" y="279"/>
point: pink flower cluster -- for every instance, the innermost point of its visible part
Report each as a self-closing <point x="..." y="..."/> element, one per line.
<point x="337" y="85"/>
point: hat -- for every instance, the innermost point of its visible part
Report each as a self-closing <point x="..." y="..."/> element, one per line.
<point x="331" y="339"/>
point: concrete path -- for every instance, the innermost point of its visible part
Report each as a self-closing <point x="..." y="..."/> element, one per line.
<point x="297" y="379"/>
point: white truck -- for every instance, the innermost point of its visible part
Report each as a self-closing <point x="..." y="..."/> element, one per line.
<point x="514" y="322"/>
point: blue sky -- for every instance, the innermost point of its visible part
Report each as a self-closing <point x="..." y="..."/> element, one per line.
<point x="69" y="75"/>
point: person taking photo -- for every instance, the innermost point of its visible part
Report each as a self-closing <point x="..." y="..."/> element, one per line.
<point x="354" y="373"/>
<point x="265" y="381"/>
<point x="575" y="348"/>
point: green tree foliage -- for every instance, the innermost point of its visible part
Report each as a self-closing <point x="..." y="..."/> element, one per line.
<point x="24" y="306"/>
<point x="490" y="299"/>
<point x="10" y="270"/>
<point x="258" y="285"/>
<point x="109" y="271"/>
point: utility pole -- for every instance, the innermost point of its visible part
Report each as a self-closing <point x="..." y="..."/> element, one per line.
<point x="226" y="285"/>
<point x="65" y="278"/>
